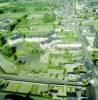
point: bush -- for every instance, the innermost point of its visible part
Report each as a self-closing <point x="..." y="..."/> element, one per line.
<point x="2" y="40"/>
<point x="1" y="11"/>
<point x="8" y="51"/>
<point x="48" y="18"/>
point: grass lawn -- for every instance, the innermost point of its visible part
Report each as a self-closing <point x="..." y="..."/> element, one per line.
<point x="26" y="48"/>
<point x="68" y="36"/>
<point x="5" y="4"/>
<point x="16" y="15"/>
<point x="34" y="25"/>
<point x="95" y="55"/>
<point x="58" y="59"/>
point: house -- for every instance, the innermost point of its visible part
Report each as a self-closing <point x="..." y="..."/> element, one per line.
<point x="77" y="55"/>
<point x="6" y="24"/>
<point x="50" y="42"/>
<point x="15" y="38"/>
<point x="50" y="33"/>
<point x="58" y="30"/>
<point x="71" y="76"/>
<point x="35" y="38"/>
<point x="96" y="10"/>
<point x="71" y="66"/>
<point x="88" y="32"/>
<point x="46" y="44"/>
<point x="68" y="45"/>
<point x="4" y="27"/>
<point x="8" y="21"/>
<point x="87" y="28"/>
<point x="81" y="76"/>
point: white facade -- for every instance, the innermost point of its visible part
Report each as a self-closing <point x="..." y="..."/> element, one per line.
<point x="91" y="49"/>
<point x="90" y="40"/>
<point x="35" y="39"/>
<point x="13" y="42"/>
<point x="58" y="30"/>
<point x="68" y="45"/>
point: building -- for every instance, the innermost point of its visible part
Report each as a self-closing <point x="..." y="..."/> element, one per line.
<point x="15" y="38"/>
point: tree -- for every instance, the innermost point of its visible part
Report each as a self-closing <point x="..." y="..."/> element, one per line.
<point x="8" y="51"/>
<point x="13" y="49"/>
<point x="2" y="40"/>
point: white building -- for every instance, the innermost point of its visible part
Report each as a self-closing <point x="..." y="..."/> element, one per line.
<point x="35" y="39"/>
<point x="69" y="45"/>
<point x="13" y="42"/>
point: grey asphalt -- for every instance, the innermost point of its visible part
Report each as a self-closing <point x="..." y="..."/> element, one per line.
<point x="41" y="80"/>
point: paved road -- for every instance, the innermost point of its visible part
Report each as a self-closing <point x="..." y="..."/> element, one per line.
<point x="41" y="80"/>
<point x="6" y="65"/>
<point x="87" y="60"/>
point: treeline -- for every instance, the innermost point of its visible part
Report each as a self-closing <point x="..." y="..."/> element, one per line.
<point x="3" y="1"/>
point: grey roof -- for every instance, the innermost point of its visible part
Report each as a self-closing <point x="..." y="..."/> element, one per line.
<point x="44" y="35"/>
<point x="83" y="75"/>
<point x="5" y="27"/>
<point x="7" y="20"/>
<point x="90" y="28"/>
<point x="16" y="36"/>
<point x="31" y="36"/>
<point x="49" y="40"/>
<point x="48" y="34"/>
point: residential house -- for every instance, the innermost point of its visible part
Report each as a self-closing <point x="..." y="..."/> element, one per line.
<point x="15" y="38"/>
<point x="35" y="38"/>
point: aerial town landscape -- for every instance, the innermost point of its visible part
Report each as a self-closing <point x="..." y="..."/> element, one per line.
<point x="48" y="49"/>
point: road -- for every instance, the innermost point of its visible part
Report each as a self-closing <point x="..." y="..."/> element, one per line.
<point x="41" y="80"/>
<point x="6" y="65"/>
